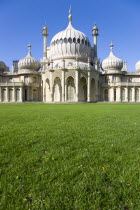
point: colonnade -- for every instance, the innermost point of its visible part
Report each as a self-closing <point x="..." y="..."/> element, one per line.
<point x="49" y="88"/>
<point x="121" y="94"/>
<point x="10" y="94"/>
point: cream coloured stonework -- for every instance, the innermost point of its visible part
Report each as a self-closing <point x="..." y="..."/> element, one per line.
<point x="70" y="71"/>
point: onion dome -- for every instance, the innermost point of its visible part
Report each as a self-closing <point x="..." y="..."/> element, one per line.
<point x="28" y="64"/>
<point x="95" y="30"/>
<point x="138" y="66"/>
<point x="112" y="64"/>
<point x="69" y="43"/>
<point x="45" y="31"/>
<point x="2" y="67"/>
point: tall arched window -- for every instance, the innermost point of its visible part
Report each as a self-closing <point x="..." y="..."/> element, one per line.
<point x="106" y="94"/>
<point x="137" y="94"/>
<point x="4" y="94"/>
<point x="47" y="90"/>
<point x="129" y="94"/>
<point x="83" y="89"/>
<point x="35" y="95"/>
<point x="57" y="89"/>
<point x="123" y="94"/>
<point x="70" y="89"/>
<point x="93" y="90"/>
<point x="10" y="94"/>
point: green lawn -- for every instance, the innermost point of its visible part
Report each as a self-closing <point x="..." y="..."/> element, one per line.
<point x="70" y="156"/>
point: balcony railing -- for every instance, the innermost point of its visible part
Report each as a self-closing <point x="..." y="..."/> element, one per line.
<point x="20" y="84"/>
<point x="113" y="84"/>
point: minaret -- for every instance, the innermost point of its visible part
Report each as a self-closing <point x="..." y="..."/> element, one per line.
<point x="95" y="34"/>
<point x="45" y="34"/>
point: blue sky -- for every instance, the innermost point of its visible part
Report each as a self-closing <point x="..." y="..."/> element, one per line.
<point x="21" y="22"/>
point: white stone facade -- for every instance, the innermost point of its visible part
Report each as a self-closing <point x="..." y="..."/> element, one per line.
<point x="70" y="71"/>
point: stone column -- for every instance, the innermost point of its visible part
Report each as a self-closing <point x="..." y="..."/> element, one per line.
<point x="21" y="90"/>
<point x="65" y="92"/>
<point x="63" y="85"/>
<point x="96" y="91"/>
<point x="126" y="94"/>
<point x="89" y="87"/>
<point x="7" y="94"/>
<point x="118" y="94"/>
<point x="0" y="95"/>
<point x="44" y="92"/>
<point x="32" y="93"/>
<point x="14" y="94"/>
<point x="28" y="93"/>
<point x="51" y="85"/>
<point x="133" y="94"/>
<point x="111" y="94"/>
<point x="77" y="85"/>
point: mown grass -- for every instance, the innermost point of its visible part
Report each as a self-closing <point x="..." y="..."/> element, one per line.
<point x="70" y="156"/>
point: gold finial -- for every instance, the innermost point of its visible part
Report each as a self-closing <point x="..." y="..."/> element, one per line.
<point x="70" y="15"/>
<point x="29" y="49"/>
<point x="111" y="47"/>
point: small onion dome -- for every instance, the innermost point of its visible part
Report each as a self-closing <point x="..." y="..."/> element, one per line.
<point x="70" y="42"/>
<point x="138" y="66"/>
<point x="45" y="31"/>
<point x="112" y="63"/>
<point x="95" y="30"/>
<point x="28" y="64"/>
<point x="2" y="67"/>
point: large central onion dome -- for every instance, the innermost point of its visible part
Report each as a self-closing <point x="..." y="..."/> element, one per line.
<point x="70" y="43"/>
<point x="2" y="67"/>
<point x="138" y="66"/>
<point x="28" y="64"/>
<point x="112" y="63"/>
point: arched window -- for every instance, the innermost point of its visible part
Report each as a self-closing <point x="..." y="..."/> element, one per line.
<point x="10" y="94"/>
<point x="34" y="95"/>
<point x="123" y="94"/>
<point x="4" y="94"/>
<point x="57" y="91"/>
<point x="26" y="79"/>
<point x="82" y="41"/>
<point x="137" y="94"/>
<point x="10" y="79"/>
<point x="130" y="94"/>
<point x="86" y="42"/>
<point x="70" y="40"/>
<point x="70" y="89"/>
<point x="17" y="94"/>
<point x="65" y="40"/>
<point x="78" y="41"/>
<point x="74" y="40"/>
<point x="114" y="94"/>
<point x="61" y="41"/>
<point x="106" y="94"/>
